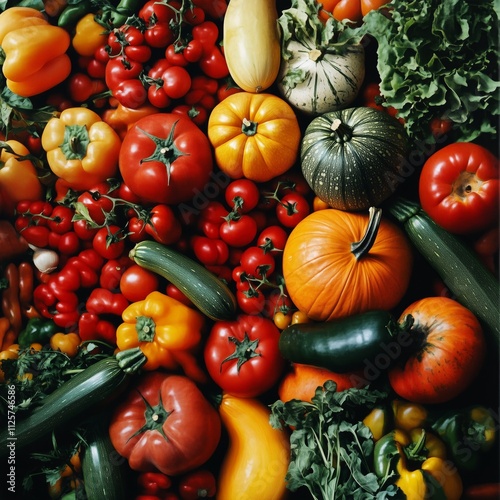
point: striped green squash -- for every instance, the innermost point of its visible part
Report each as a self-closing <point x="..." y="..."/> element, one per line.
<point x="353" y="158"/>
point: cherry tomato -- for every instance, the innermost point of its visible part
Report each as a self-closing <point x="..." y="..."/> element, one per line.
<point x="109" y="242"/>
<point x="61" y="219"/>
<point x="240" y="232"/>
<point x="83" y="230"/>
<point x="176" y="82"/>
<point x="258" y="263"/>
<point x="162" y="225"/>
<point x="272" y="239"/>
<point x="242" y="194"/>
<point x="250" y="300"/>
<point x="136" y="283"/>
<point x="211" y="219"/>
<point x="292" y="208"/>
<point x="130" y="93"/>
<point x="69" y="243"/>
<point x="211" y="252"/>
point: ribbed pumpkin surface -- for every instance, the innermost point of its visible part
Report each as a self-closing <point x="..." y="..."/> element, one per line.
<point x="324" y="278"/>
<point x="353" y="158"/>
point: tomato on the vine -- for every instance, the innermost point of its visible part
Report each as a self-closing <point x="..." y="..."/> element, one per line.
<point x="256" y="262"/>
<point x="250" y="300"/>
<point x="292" y="208"/>
<point x="109" y="242"/>
<point x="243" y="357"/>
<point x="239" y="232"/>
<point x="272" y="239"/>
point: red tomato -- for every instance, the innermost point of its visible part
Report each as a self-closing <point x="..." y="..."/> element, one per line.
<point x="162" y="225"/>
<point x="199" y="483"/>
<point x="209" y="251"/>
<point x="243" y="357"/>
<point x="119" y="69"/>
<point x="83" y="230"/>
<point x="136" y="283"/>
<point x="292" y="208"/>
<point x="459" y="188"/>
<point x="447" y="351"/>
<point x="165" y="423"/>
<point x="109" y="242"/>
<point x="61" y="219"/>
<point x="211" y="219"/>
<point x="272" y="239"/>
<point x="130" y="93"/>
<point x="98" y="202"/>
<point x="250" y="300"/>
<point x="243" y="195"/>
<point x="239" y="232"/>
<point x="176" y="82"/>
<point x="256" y="262"/>
<point x="166" y="158"/>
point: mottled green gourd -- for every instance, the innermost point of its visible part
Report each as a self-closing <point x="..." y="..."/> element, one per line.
<point x="354" y="158"/>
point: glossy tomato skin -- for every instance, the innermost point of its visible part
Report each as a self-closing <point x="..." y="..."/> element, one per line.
<point x="447" y="355"/>
<point x="262" y="363"/>
<point x="459" y="188"/>
<point x="177" y="408"/>
<point x="161" y="144"/>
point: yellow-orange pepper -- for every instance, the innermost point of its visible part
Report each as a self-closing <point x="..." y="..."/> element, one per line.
<point x="35" y="58"/>
<point x="18" y="178"/>
<point x="67" y="343"/>
<point x="167" y="332"/>
<point x="81" y="149"/>
<point x="89" y="35"/>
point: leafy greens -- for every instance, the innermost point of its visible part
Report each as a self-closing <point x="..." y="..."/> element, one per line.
<point x="439" y="60"/>
<point x="331" y="448"/>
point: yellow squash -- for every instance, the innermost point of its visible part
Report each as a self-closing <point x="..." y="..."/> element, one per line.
<point x="252" y="43"/>
<point x="257" y="459"/>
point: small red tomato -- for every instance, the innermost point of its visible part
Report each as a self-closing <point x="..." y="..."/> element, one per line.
<point x="239" y="232"/>
<point x="256" y="262"/>
<point x="242" y="195"/>
<point x="199" y="483"/>
<point x="292" y="208"/>
<point x="136" y="283"/>
<point x="109" y="242"/>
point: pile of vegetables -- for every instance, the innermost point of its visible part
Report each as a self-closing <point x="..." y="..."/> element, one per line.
<point x="249" y="249"/>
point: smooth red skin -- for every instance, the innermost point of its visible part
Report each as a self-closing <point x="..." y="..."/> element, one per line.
<point x="250" y="304"/>
<point x="245" y="189"/>
<point x="302" y="209"/>
<point x="256" y="375"/>
<point x="193" y="428"/>
<point x="190" y="172"/>
<point x="476" y="210"/>
<point x="163" y="226"/>
<point x="450" y="357"/>
<point x="276" y="234"/>
<point x="255" y="261"/>
<point x="136" y="283"/>
<point x="240" y="232"/>
<point x="112" y="250"/>
<point x="197" y="484"/>
<point x="209" y="251"/>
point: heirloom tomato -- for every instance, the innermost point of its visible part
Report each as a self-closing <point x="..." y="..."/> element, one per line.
<point x="165" y="424"/>
<point x="459" y="188"/>
<point x="243" y="357"/>
<point x="446" y="351"/>
<point x="165" y="158"/>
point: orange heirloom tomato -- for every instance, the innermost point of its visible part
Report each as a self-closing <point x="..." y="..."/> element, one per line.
<point x="256" y="136"/>
<point x="18" y="178"/>
<point x="167" y="332"/>
<point x="35" y="52"/>
<point x="354" y="10"/>
<point x="81" y="149"/>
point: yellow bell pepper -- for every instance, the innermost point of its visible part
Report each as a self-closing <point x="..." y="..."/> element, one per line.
<point x="167" y="332"/>
<point x="417" y="460"/>
<point x="81" y="148"/>
<point x="18" y="177"/>
<point x="89" y="35"/>
<point x="35" y="58"/>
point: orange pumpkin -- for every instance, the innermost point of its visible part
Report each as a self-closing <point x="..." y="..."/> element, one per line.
<point x="256" y="136"/>
<point x="301" y="381"/>
<point x="338" y="263"/>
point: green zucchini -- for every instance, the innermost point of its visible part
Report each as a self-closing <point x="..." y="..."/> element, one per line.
<point x="93" y="385"/>
<point x="207" y="292"/>
<point x="458" y="266"/>
<point x="105" y="472"/>
<point x="347" y="344"/>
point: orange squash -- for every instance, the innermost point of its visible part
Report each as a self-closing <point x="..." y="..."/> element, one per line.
<point x="256" y="136"/>
<point x="338" y="263"/>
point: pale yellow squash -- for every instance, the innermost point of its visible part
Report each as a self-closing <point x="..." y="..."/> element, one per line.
<point x="251" y="40"/>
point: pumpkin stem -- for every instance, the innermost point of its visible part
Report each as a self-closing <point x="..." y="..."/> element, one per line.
<point x="341" y="132"/>
<point x="362" y="247"/>
<point x="248" y="127"/>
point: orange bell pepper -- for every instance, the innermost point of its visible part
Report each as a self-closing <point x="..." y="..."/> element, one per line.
<point x="167" y="332"/>
<point x="121" y="118"/>
<point x="81" y="149"/>
<point x="35" y="52"/>
<point x="18" y="176"/>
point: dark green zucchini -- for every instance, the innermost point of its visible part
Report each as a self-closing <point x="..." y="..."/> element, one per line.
<point x="347" y="344"/>
<point x="74" y="398"/>
<point x="458" y="266"/>
<point x="207" y="292"/>
<point x="105" y="472"/>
